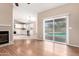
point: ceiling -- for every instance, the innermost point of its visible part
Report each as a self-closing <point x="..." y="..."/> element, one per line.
<point x="38" y="7"/>
<point x="30" y="11"/>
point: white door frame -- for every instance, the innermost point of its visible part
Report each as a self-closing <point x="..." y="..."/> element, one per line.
<point x="67" y="26"/>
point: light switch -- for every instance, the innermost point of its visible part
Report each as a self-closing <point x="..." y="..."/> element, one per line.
<point x="70" y="27"/>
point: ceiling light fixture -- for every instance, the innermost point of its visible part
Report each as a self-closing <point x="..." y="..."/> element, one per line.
<point x="17" y="4"/>
<point x="28" y="3"/>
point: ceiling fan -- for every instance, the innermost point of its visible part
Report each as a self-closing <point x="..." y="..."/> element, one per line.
<point x="17" y="4"/>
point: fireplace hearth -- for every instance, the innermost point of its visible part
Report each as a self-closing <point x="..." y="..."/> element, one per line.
<point x="4" y="37"/>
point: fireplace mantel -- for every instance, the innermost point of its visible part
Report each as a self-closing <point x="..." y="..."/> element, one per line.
<point x="3" y="25"/>
<point x="6" y="28"/>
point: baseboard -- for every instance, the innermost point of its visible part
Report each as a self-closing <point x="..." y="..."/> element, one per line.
<point x="73" y="45"/>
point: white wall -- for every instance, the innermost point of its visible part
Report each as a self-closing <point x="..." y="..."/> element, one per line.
<point x="6" y="13"/>
<point x="73" y="10"/>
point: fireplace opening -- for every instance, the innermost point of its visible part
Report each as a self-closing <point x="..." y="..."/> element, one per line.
<point x="4" y="37"/>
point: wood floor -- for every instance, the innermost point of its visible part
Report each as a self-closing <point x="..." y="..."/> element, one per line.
<point x="37" y="48"/>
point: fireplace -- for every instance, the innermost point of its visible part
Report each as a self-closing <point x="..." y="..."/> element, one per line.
<point x="4" y="37"/>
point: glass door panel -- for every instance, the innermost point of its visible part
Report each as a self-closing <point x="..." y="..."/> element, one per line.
<point x="49" y="30"/>
<point x="60" y="30"/>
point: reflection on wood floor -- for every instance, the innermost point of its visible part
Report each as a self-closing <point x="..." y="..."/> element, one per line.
<point x="37" y="48"/>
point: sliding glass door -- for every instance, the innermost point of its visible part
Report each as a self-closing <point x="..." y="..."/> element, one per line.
<point x="49" y="30"/>
<point x="56" y="30"/>
<point x="60" y="30"/>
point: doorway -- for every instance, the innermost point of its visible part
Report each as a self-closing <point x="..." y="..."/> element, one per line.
<point x="56" y="29"/>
